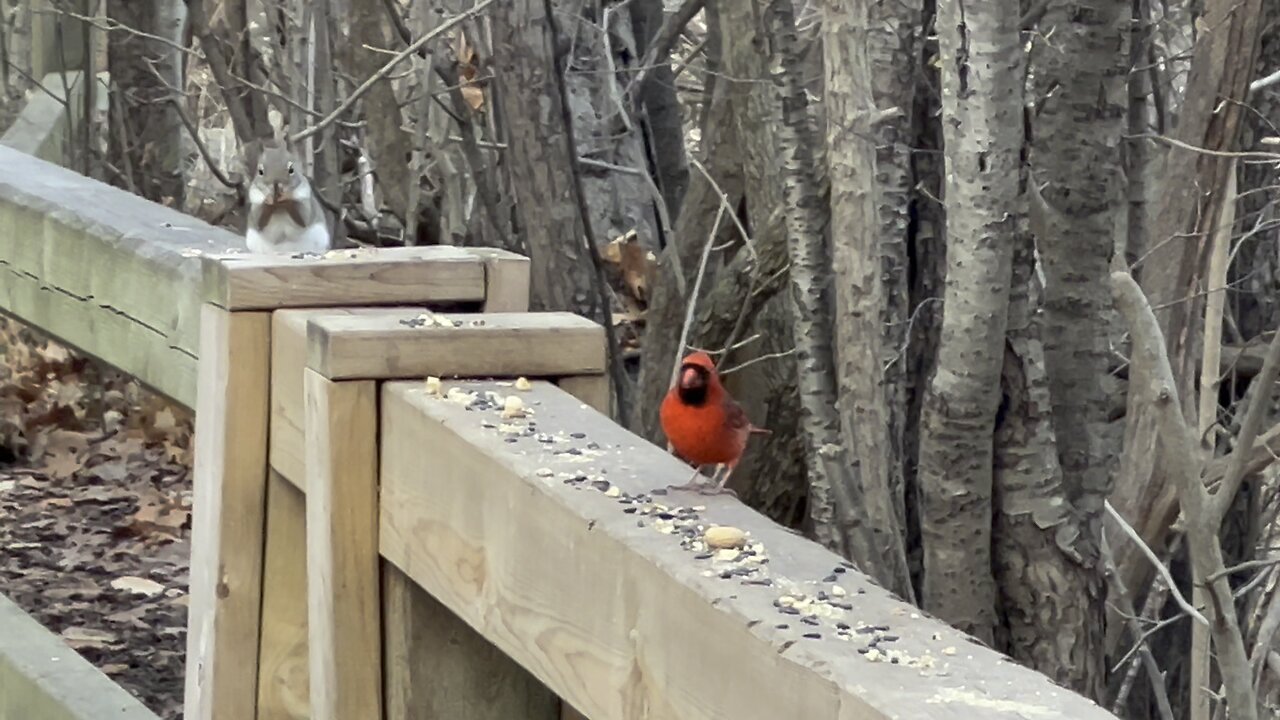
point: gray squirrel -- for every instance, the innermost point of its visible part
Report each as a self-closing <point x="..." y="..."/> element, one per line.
<point x="284" y="214"/>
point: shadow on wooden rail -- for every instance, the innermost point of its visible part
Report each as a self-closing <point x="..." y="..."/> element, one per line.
<point x="369" y="544"/>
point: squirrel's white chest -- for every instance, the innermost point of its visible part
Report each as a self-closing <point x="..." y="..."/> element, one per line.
<point x="282" y="235"/>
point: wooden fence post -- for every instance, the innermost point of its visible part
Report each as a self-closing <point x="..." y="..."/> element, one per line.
<point x="228" y="514"/>
<point x="283" y="678"/>
<point x="343" y="605"/>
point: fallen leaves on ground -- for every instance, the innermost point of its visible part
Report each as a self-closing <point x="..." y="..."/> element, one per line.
<point x="95" y="512"/>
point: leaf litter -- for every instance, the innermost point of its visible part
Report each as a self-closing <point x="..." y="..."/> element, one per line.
<point x="95" y="512"/>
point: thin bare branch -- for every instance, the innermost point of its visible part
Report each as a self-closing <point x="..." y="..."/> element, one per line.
<point x="385" y="70"/>
<point x="1133" y="535"/>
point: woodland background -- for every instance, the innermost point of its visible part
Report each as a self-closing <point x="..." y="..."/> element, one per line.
<point x="897" y="220"/>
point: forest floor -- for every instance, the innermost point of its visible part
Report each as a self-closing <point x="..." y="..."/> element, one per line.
<point x="95" y="495"/>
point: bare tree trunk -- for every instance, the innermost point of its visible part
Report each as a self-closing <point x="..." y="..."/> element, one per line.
<point x="1079" y="85"/>
<point x="661" y="119"/>
<point x="146" y="126"/>
<point x="866" y="418"/>
<point x="539" y="160"/>
<point x="389" y="145"/>
<point x="325" y="98"/>
<point x="1051" y="602"/>
<point x="893" y="34"/>
<point x="837" y="505"/>
<point x="537" y="156"/>
<point x="982" y="94"/>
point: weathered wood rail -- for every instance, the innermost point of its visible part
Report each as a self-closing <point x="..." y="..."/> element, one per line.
<point x="371" y="544"/>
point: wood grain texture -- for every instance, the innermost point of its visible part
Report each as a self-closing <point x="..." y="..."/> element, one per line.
<point x="228" y="515"/>
<point x="620" y="621"/>
<point x="438" y="667"/>
<point x="506" y="277"/>
<point x="109" y="273"/>
<point x="344" y="611"/>
<point x="288" y="361"/>
<point x="115" y="338"/>
<point x="382" y="276"/>
<point x="283" y="680"/>
<point x="390" y="346"/>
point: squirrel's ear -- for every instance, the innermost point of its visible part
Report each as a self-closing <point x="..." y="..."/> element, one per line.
<point x="252" y="154"/>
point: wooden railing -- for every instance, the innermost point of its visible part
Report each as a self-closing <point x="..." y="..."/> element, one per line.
<point x="370" y="541"/>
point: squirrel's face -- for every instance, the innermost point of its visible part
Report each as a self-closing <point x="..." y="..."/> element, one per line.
<point x="277" y="176"/>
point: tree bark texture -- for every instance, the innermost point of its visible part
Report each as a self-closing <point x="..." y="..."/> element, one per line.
<point x="661" y="118"/>
<point x="893" y="31"/>
<point x="147" y="136"/>
<point x="858" y="242"/>
<point x="388" y="144"/>
<point x="538" y="158"/>
<point x="1075" y="159"/>
<point x="982" y="96"/>
<point x="837" y="504"/>
<point x="1080" y="86"/>
<point x="1051" y="601"/>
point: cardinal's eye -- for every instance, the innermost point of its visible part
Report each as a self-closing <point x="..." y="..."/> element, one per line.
<point x="290" y="168"/>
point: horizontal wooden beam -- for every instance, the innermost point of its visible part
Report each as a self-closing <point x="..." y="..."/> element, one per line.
<point x="376" y="344"/>
<point x="104" y="271"/>
<point x="122" y="279"/>
<point x="559" y="546"/>
<point x="381" y="276"/>
<point x="399" y="345"/>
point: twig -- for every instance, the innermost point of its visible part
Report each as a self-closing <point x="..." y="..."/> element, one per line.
<point x="1221" y="501"/>
<point x="1264" y="83"/>
<point x="724" y="202"/>
<point x="1155" y="560"/>
<point x="385" y="70"/>
<point x="754" y="360"/>
<point x="692" y="302"/>
<point x="1121" y="596"/>
<point x="1248" y="155"/>
<point x="201" y="147"/>
<point x="1153" y="380"/>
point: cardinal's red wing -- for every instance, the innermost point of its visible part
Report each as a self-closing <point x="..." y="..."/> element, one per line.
<point x="735" y="417"/>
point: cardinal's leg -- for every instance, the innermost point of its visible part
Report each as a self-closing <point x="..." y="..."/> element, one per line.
<point x="719" y="488"/>
<point x="695" y="482"/>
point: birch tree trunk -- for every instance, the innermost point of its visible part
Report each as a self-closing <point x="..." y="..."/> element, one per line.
<point x="893" y="31"/>
<point x="1080" y="87"/>
<point x="861" y="296"/>
<point x="837" y="503"/>
<point x="982" y="95"/>
<point x="1050" y="599"/>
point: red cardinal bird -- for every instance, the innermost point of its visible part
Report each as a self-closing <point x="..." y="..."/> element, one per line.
<point x="703" y="423"/>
